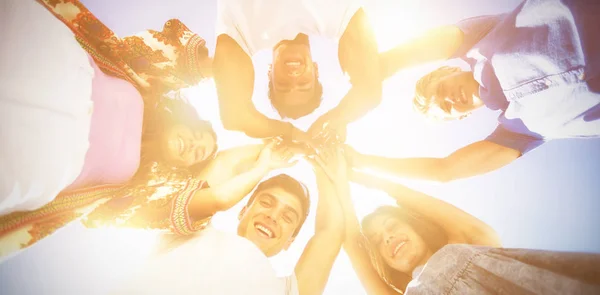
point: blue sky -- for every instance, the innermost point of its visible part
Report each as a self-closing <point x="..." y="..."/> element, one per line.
<point x="549" y="199"/>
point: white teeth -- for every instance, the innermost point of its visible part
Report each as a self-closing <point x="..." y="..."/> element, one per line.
<point x="398" y="247"/>
<point x="293" y="63"/>
<point x="181" y="145"/>
<point x="265" y="230"/>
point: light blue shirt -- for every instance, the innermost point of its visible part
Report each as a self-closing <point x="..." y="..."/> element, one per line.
<point x="540" y="65"/>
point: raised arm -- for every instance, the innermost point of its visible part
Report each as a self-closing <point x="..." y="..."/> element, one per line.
<point x="231" y="162"/>
<point x="224" y="195"/>
<point x="441" y="43"/>
<point x="475" y="159"/>
<point x="354" y="241"/>
<point x="437" y="44"/>
<point x="313" y="268"/>
<point x="359" y="58"/>
<point x="234" y="78"/>
<point x="457" y="223"/>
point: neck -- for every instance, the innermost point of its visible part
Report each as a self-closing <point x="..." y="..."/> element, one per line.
<point x="424" y="259"/>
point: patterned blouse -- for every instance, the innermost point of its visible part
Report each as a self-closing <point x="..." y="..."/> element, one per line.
<point x="155" y="62"/>
<point x="156" y="200"/>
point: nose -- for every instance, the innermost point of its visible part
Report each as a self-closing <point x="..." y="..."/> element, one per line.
<point x="272" y="218"/>
<point x="389" y="239"/>
<point x="294" y="73"/>
<point x="295" y="70"/>
<point x="196" y="143"/>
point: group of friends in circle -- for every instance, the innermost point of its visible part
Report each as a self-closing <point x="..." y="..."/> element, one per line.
<point x="106" y="139"/>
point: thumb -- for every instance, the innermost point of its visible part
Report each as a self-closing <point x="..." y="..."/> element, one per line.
<point x="270" y="145"/>
<point x="291" y="163"/>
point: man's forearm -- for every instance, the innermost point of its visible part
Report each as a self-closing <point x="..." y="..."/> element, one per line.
<point x="475" y="159"/>
<point x="208" y="201"/>
<point x="256" y="125"/>
<point x="416" y="168"/>
<point x="357" y="103"/>
<point x="314" y="266"/>
<point x="437" y="44"/>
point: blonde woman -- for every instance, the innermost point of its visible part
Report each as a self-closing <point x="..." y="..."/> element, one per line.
<point x="427" y="246"/>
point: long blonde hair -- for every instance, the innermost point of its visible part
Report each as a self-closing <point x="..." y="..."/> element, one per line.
<point x="433" y="235"/>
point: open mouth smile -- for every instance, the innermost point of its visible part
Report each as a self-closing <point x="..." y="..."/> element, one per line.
<point x="398" y="247"/>
<point x="181" y="145"/>
<point x="264" y="231"/>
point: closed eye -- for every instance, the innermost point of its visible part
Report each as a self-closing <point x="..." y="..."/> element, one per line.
<point x="287" y="219"/>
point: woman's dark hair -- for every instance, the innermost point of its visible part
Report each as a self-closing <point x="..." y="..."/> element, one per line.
<point x="434" y="236"/>
<point x="158" y="118"/>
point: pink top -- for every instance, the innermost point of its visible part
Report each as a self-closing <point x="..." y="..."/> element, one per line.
<point x="115" y="134"/>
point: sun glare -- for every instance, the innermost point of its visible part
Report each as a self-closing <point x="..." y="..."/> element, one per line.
<point x="396" y="22"/>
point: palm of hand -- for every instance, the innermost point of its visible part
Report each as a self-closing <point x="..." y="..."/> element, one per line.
<point x="325" y="132"/>
<point x="333" y="162"/>
<point x="276" y="156"/>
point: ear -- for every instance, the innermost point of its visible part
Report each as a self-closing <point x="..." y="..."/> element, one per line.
<point x="270" y="70"/>
<point x="288" y="243"/>
<point x="316" y="66"/>
<point x="242" y="212"/>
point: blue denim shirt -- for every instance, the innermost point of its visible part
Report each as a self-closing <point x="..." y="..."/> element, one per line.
<point x="540" y="65"/>
<point x="468" y="269"/>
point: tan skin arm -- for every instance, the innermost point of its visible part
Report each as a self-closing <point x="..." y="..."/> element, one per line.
<point x="224" y="195"/>
<point x="460" y="226"/>
<point x="359" y="57"/>
<point x="314" y="266"/>
<point x="231" y="162"/>
<point x="234" y="78"/>
<point x="359" y="258"/>
<point x="475" y="159"/>
<point x="437" y="44"/>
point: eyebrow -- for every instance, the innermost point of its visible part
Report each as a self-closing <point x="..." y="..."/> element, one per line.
<point x="269" y="196"/>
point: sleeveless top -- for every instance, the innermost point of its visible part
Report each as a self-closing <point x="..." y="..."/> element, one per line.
<point x="468" y="269"/>
<point x="261" y="24"/>
<point x="115" y="132"/>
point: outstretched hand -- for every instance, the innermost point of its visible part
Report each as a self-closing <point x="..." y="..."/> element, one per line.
<point x="325" y="131"/>
<point x="276" y="155"/>
<point x="332" y="162"/>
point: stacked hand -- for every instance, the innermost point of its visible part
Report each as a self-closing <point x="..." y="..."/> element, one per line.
<point x="276" y="155"/>
<point x="326" y="131"/>
<point x="323" y="132"/>
<point x="332" y="162"/>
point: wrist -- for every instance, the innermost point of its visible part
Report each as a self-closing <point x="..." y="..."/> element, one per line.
<point x="356" y="160"/>
<point x="341" y="178"/>
<point x="290" y="132"/>
<point x="335" y="118"/>
<point x="261" y="167"/>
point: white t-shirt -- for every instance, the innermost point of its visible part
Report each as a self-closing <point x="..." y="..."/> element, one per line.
<point x="45" y="106"/>
<point x="211" y="262"/>
<point x="260" y="24"/>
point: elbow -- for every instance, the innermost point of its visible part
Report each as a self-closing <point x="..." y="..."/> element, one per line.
<point x="231" y="121"/>
<point x="374" y="93"/>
